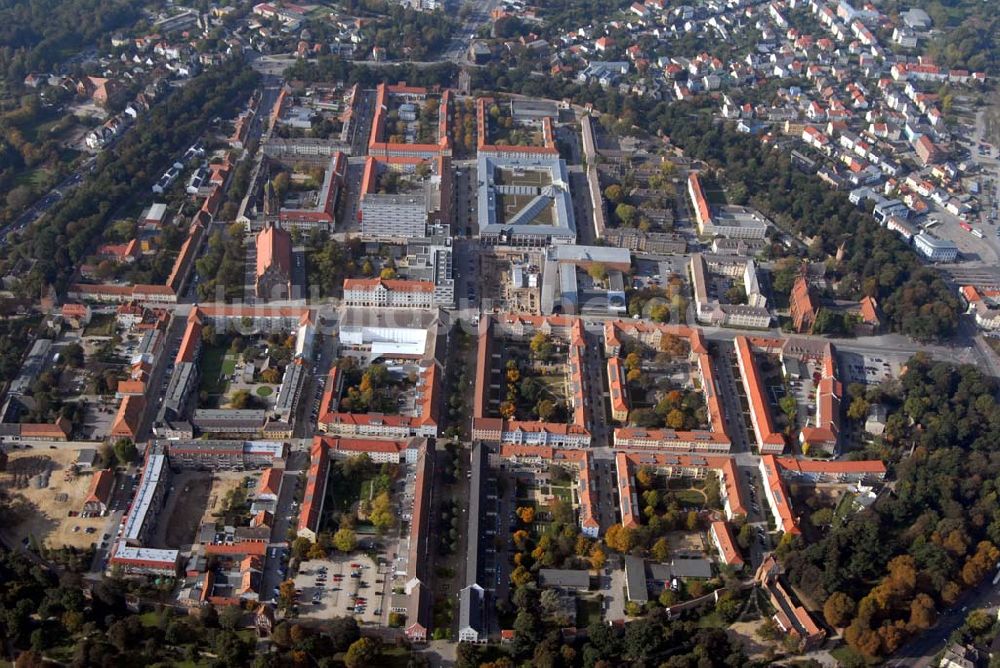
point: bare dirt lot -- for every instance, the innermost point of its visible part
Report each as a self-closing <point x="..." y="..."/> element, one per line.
<point x="745" y="634"/>
<point x="194" y="498"/>
<point x="44" y="511"/>
<point x="686" y="543"/>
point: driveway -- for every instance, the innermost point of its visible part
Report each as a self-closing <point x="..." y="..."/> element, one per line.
<point x="614" y="597"/>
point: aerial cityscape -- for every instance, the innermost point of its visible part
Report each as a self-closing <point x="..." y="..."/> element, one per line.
<point x="485" y="334"/>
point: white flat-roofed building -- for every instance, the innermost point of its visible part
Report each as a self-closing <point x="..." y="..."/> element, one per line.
<point x="935" y="249"/>
<point x="385" y="341"/>
<point x="524" y="201"/>
<point x="392" y="217"/>
<point x="148" y="500"/>
<point x="145" y="561"/>
<point x="289" y="392"/>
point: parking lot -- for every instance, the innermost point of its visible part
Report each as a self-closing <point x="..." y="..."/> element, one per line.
<point x="868" y="369"/>
<point x="341" y="586"/>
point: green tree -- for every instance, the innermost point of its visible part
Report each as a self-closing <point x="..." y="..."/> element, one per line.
<point x="626" y="213"/>
<point x="231" y="618"/>
<point x="241" y="399"/>
<point x="545" y="408"/>
<point x="838" y="610"/>
<point x="125" y="450"/>
<point x="362" y="653"/>
<point x="598" y="272"/>
<point x="345" y="540"/>
<point x="381" y="514"/>
<point x="614" y="194"/>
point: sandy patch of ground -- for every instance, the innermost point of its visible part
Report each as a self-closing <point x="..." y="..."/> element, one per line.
<point x="745" y="634"/>
<point x="44" y="511"/>
<point x="193" y="499"/>
<point x="686" y="543"/>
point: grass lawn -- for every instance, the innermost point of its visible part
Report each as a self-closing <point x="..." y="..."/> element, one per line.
<point x="100" y="325"/>
<point x="844" y="506"/>
<point x="212" y="365"/>
<point x="563" y="494"/>
<point x="394" y="656"/>
<point x="553" y="386"/>
<point x="588" y="610"/>
<point x="846" y="656"/>
<point x="149" y="619"/>
<point x="689" y="497"/>
<point x="264" y="391"/>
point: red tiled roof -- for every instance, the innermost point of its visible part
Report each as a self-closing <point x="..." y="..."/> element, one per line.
<point x="778" y="491"/>
<point x="724" y="535"/>
<point x="257" y="548"/>
<point x="101" y="485"/>
<point x="270" y="482"/>
<point x="871" y="467"/>
<point x="126" y="423"/>
<point x="274" y="249"/>
<point x="755" y="394"/>
<point x="702" y="209"/>
<point x="388" y="284"/>
<point x="312" y="500"/>
<point x="191" y="339"/>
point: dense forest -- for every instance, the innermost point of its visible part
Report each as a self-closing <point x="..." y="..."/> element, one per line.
<point x="654" y="640"/>
<point x="38" y="34"/>
<point x="885" y="572"/>
<point x="63" y="238"/>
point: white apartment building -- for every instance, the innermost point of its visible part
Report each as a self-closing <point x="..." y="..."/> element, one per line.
<point x="935" y="249"/>
<point x="388" y="293"/>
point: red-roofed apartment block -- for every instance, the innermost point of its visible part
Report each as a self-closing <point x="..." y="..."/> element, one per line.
<point x="492" y="331"/>
<point x="768" y="440"/>
<point x="378" y="143"/>
<point x="315" y="494"/>
<point x="385" y="293"/>
<point x="129" y="416"/>
<point x="378" y="450"/>
<point x="483" y="144"/>
<point x="825" y="428"/>
<point x="702" y="210"/>
<point x="619" y="390"/>
<point x="326" y="203"/>
<point x="676" y="466"/>
<point x="539" y="457"/>
<point x="714" y="439"/>
<point x="777" y="496"/>
<point x="424" y="423"/>
<point x="722" y="538"/>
